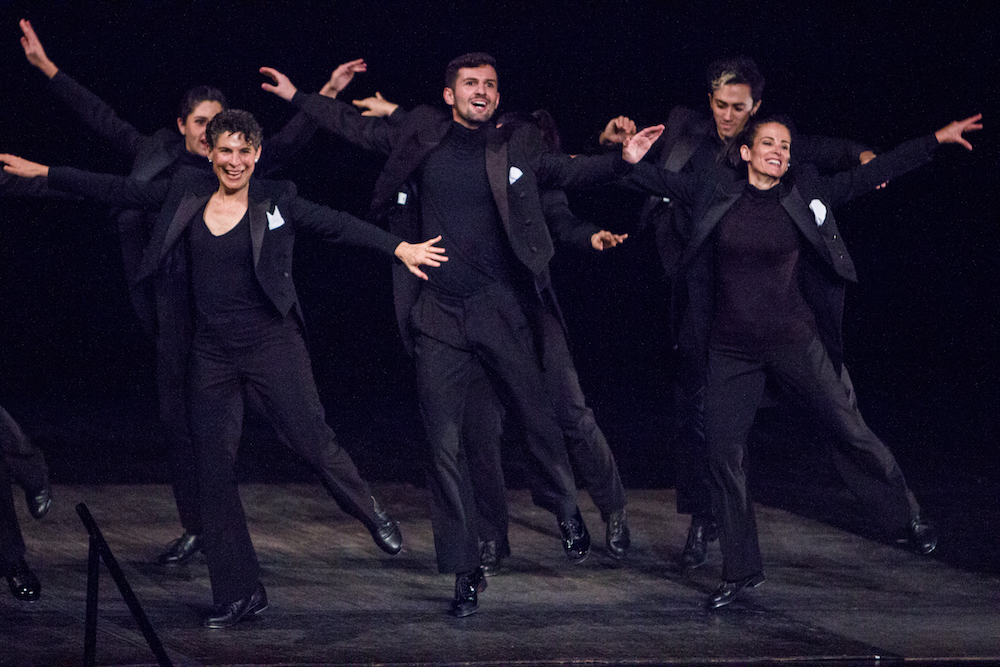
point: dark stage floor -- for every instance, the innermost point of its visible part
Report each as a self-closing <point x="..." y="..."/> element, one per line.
<point x="831" y="596"/>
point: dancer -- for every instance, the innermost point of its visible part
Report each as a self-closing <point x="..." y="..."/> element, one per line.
<point x="772" y="267"/>
<point x="161" y="155"/>
<point x="694" y="143"/>
<point x="480" y="190"/>
<point x="222" y="253"/>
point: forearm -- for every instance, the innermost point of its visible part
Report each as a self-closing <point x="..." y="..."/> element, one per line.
<point x="108" y="188"/>
<point x="344" y="121"/>
<point x="560" y="171"/>
<point x="96" y="114"/>
<point x="339" y="227"/>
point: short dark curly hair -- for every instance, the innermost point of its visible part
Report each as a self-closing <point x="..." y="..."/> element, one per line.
<point x="234" y="121"/>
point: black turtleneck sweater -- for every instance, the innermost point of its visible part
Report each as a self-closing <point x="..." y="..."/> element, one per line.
<point x="759" y="305"/>
<point x="457" y="203"/>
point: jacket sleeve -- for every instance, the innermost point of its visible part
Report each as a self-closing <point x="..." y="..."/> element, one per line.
<point x="560" y="171"/>
<point x="345" y="121"/>
<point x="565" y="227"/>
<point x="851" y="184"/>
<point x="339" y="227"/>
<point x="659" y="182"/>
<point x="97" y="115"/>
<point x="827" y="154"/>
<point x="31" y="188"/>
<point x="286" y="144"/>
<point x="111" y="189"/>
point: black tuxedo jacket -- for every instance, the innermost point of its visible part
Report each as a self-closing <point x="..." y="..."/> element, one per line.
<point x="518" y="167"/>
<point x="276" y="213"/>
<point x="808" y="197"/>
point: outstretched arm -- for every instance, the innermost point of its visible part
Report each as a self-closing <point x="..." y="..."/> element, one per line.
<point x="333" y="115"/>
<point x="413" y="255"/>
<point x="34" y="52"/>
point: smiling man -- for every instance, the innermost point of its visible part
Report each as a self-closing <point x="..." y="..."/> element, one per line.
<point x="479" y="190"/>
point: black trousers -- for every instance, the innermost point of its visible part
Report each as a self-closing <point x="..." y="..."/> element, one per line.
<point x="589" y="453"/>
<point x="805" y="373"/>
<point x="273" y="362"/>
<point x="455" y="340"/>
<point x="21" y="462"/>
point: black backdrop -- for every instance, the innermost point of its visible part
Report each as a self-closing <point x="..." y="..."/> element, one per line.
<point x="921" y="326"/>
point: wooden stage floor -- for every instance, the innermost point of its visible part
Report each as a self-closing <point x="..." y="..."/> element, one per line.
<point x="830" y="595"/>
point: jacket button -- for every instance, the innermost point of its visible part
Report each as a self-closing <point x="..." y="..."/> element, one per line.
<point x="533" y="249"/>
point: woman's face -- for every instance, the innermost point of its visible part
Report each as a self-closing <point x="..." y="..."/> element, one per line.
<point x="233" y="159"/>
<point x="767" y="159"/>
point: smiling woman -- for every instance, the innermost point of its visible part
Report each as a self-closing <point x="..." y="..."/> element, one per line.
<point x="769" y="268"/>
<point x="223" y="243"/>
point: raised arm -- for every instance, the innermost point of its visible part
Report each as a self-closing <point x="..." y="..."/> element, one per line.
<point x="34" y="51"/>
<point x="89" y="108"/>
<point x="333" y="115"/>
<point x="845" y="186"/>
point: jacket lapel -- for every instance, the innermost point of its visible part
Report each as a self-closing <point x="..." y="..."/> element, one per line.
<point x="496" y="170"/>
<point x="258" y="222"/>
<point x="724" y="198"/>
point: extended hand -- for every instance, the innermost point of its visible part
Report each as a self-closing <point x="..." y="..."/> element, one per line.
<point x="375" y="106"/>
<point x="604" y="239"/>
<point x="18" y="166"/>
<point x="953" y="131"/>
<point x="282" y="86"/>
<point x="617" y="131"/>
<point x="343" y="76"/>
<point x="33" y="50"/>
<point x="635" y="147"/>
<point x="415" y="254"/>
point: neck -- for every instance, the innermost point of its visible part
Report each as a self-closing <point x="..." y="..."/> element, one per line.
<point x="762" y="181"/>
<point x="225" y="195"/>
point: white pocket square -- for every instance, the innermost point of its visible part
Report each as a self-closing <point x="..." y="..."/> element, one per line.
<point x="514" y="174"/>
<point x="274" y="220"/>
<point x="819" y="211"/>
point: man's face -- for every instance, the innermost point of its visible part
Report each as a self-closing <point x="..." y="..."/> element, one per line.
<point x="475" y="96"/>
<point x="193" y="127"/>
<point x="767" y="159"/>
<point x="233" y="159"/>
<point x="731" y="106"/>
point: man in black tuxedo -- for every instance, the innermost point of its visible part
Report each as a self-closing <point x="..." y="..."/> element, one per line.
<point x="479" y="190"/>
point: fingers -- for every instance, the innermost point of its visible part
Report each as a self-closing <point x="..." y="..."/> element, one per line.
<point x="270" y="72"/>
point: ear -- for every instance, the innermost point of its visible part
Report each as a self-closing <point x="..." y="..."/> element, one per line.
<point x="745" y="153"/>
<point x="449" y="97"/>
<point x="257" y="156"/>
<point x="180" y="126"/>
<point x="756" y="107"/>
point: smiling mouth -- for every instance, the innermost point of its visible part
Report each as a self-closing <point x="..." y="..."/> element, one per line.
<point x="479" y="104"/>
